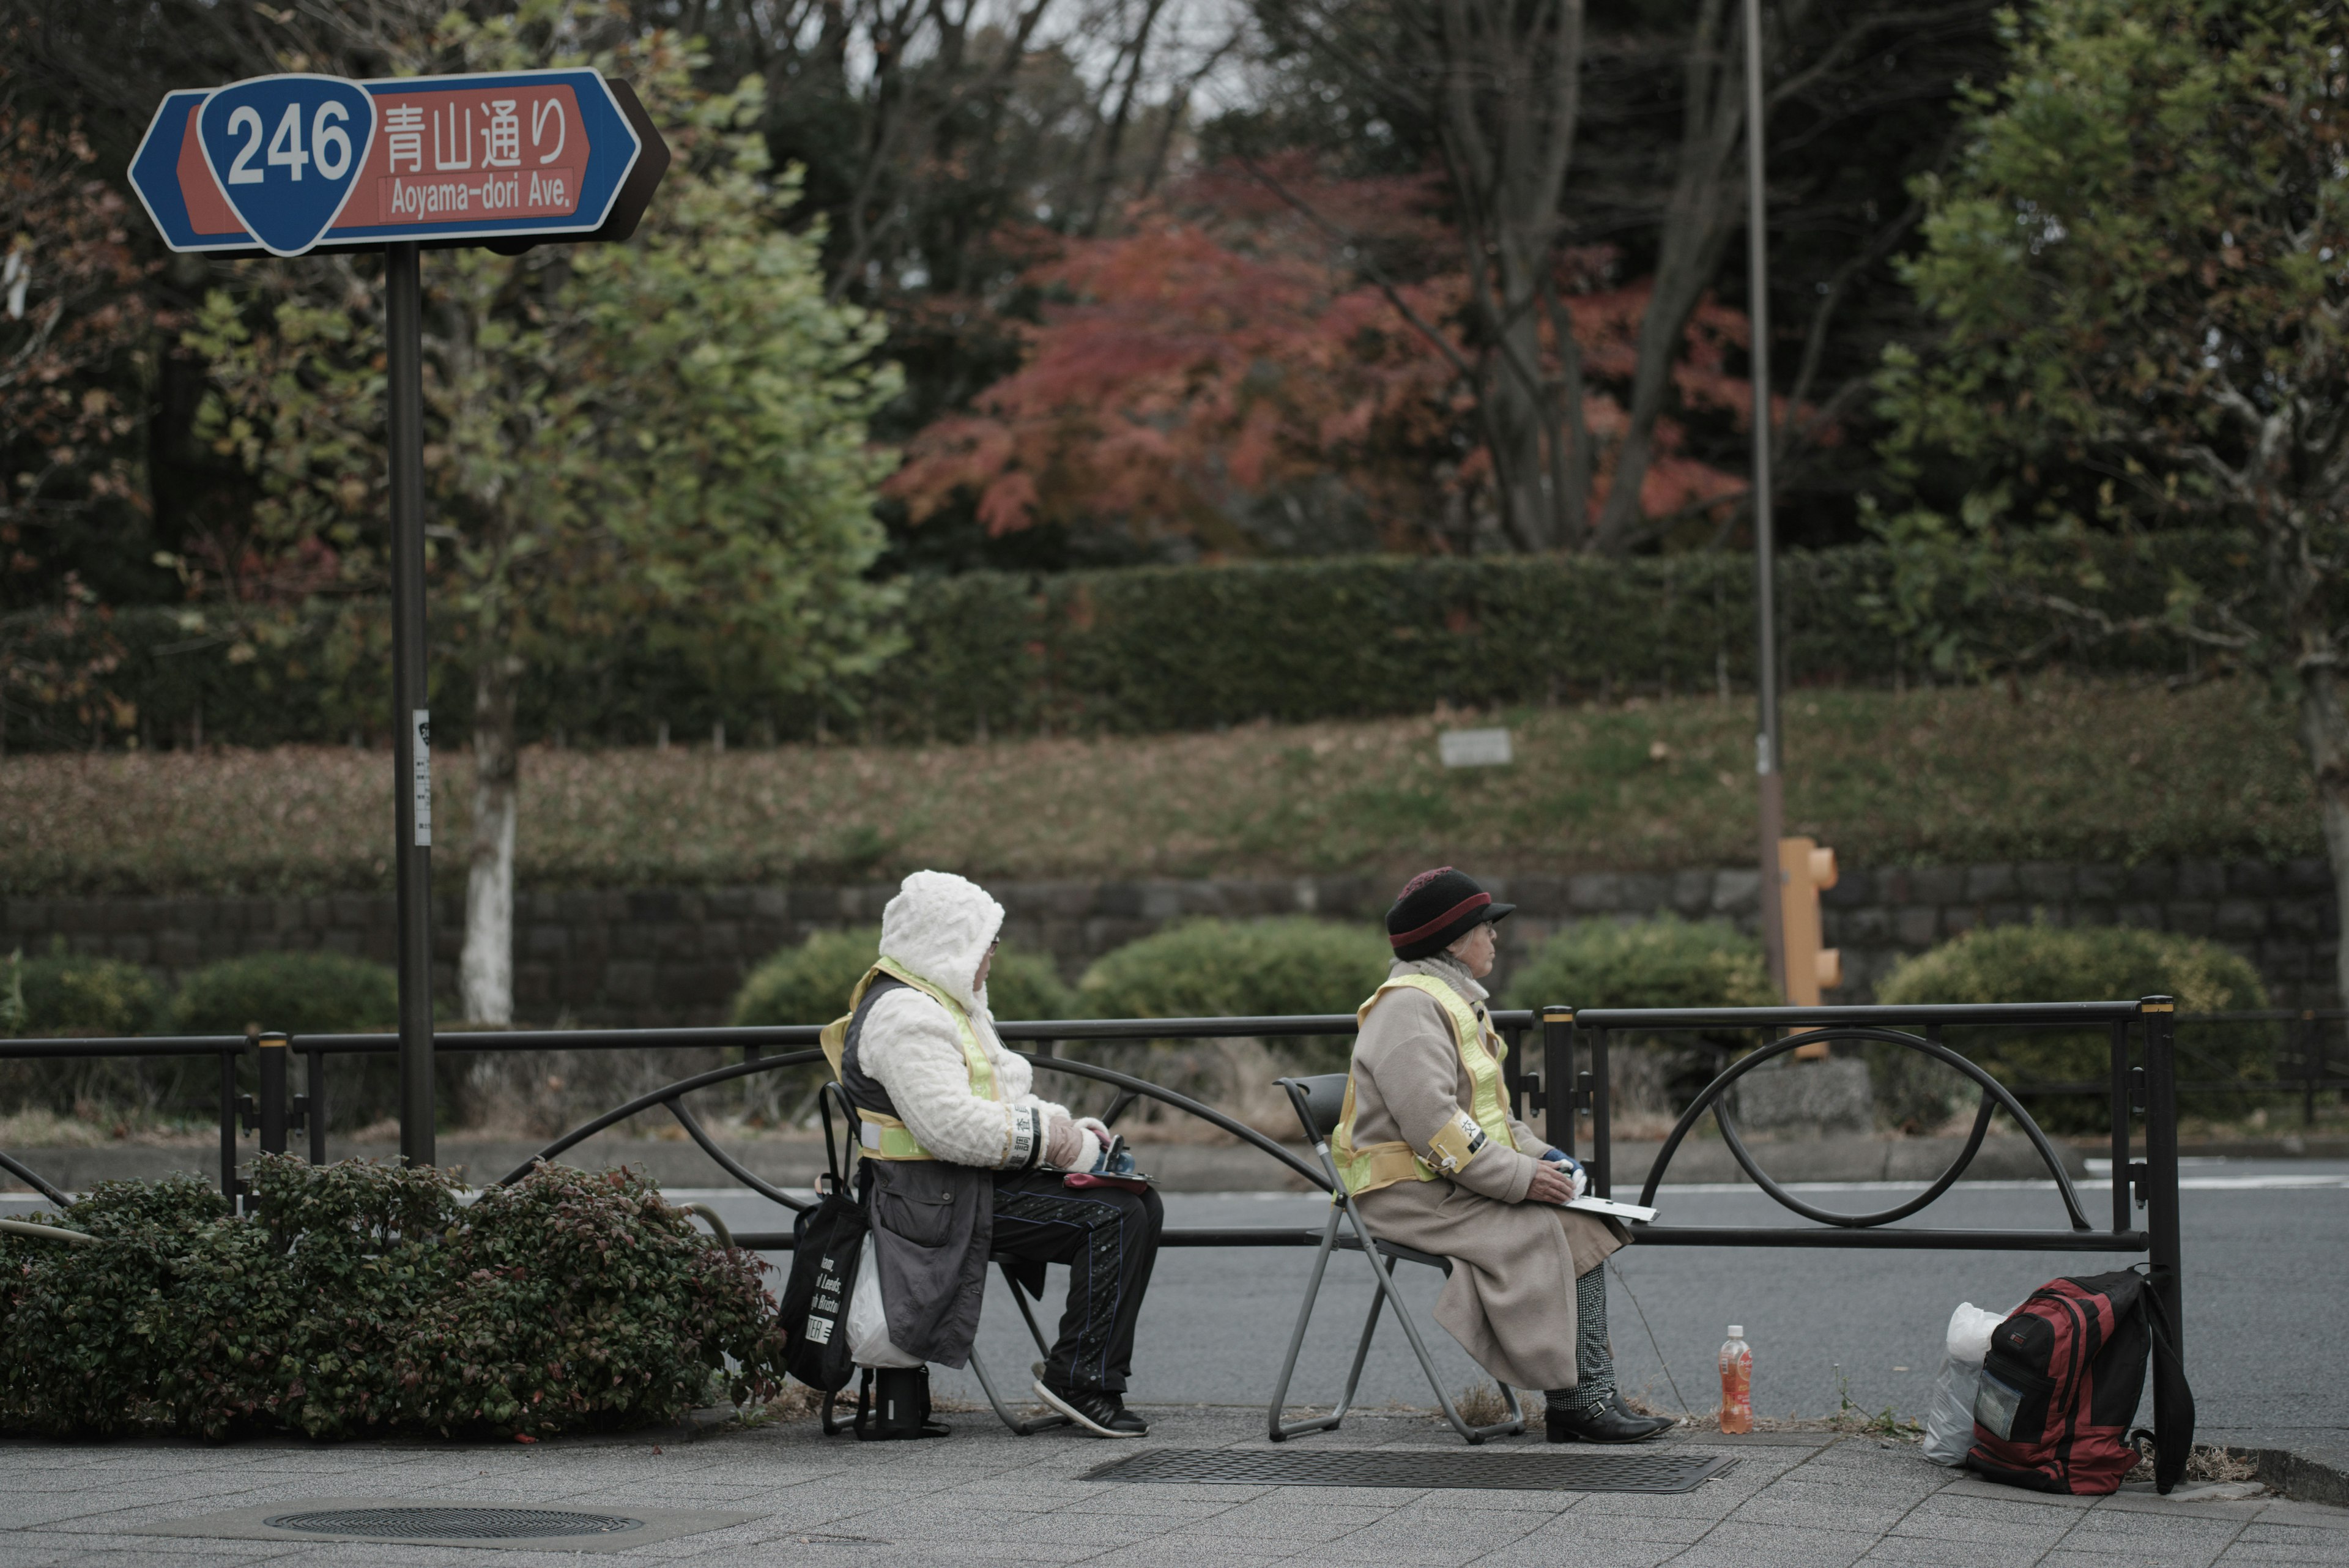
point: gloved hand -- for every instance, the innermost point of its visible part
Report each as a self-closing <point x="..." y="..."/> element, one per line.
<point x="1098" y="1129"/>
<point x="1576" y="1175"/>
<point x="1064" y="1143"/>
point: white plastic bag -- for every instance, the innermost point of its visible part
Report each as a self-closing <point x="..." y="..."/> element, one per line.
<point x="868" y="1324"/>
<point x="1949" y="1424"/>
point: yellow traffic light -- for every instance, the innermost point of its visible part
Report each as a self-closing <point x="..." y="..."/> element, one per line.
<point x="1804" y="871"/>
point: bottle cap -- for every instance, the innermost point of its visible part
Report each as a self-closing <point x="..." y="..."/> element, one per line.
<point x="1737" y="1331"/>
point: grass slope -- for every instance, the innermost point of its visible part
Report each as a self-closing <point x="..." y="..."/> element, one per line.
<point x="2073" y="771"/>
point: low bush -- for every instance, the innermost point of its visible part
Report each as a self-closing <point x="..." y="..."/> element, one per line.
<point x="811" y="983"/>
<point x="366" y="1300"/>
<point x="298" y="992"/>
<point x="1663" y="962"/>
<point x="75" y="995"/>
<point x="2039" y="962"/>
<point x="1223" y="969"/>
<point x="1235" y="969"/>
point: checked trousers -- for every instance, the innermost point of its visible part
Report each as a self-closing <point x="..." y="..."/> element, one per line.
<point x="1108" y="1239"/>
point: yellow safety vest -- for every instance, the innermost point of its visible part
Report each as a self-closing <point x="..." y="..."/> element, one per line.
<point x="884" y="1136"/>
<point x="1487" y="1120"/>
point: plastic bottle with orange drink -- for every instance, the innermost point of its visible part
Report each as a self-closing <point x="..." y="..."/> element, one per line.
<point x="1736" y="1382"/>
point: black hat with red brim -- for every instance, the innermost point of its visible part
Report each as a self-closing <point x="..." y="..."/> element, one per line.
<point x="1437" y="909"/>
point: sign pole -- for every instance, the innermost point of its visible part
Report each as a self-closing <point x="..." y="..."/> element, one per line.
<point x="518" y="159"/>
<point x="410" y="699"/>
<point x="1768" y="758"/>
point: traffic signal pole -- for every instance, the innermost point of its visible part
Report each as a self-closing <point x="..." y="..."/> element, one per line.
<point x="1767" y="758"/>
<point x="411" y="722"/>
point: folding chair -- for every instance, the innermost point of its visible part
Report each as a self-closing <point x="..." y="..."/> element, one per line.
<point x="831" y="1096"/>
<point x="1319" y="1102"/>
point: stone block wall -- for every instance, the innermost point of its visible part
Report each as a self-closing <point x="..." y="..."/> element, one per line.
<point x="676" y="956"/>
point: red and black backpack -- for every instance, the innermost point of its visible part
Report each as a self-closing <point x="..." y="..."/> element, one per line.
<point x="2061" y="1384"/>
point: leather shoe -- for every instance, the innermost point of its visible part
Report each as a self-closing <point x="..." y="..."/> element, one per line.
<point x="1611" y="1423"/>
<point x="1097" y="1411"/>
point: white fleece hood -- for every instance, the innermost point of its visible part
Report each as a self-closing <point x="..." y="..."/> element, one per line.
<point x="939" y="926"/>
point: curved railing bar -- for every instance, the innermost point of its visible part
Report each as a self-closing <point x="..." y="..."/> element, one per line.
<point x="658" y="1096"/>
<point x="1240" y="1130"/>
<point x="717" y="1227"/>
<point x="48" y="1232"/>
<point x="36" y="1182"/>
<point x="1990" y="1087"/>
<point x="1946" y="1179"/>
<point x="733" y="1166"/>
<point x="668" y="1094"/>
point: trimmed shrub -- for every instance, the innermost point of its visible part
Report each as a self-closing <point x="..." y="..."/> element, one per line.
<point x="299" y="993"/>
<point x="811" y="983"/>
<point x="73" y="995"/>
<point x="76" y="995"/>
<point x="367" y="1301"/>
<point x="1224" y="968"/>
<point x="1663" y="962"/>
<point x="2039" y="962"/>
<point x="1228" y="969"/>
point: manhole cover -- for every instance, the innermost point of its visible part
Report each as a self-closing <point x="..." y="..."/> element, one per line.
<point x="454" y="1523"/>
<point x="1482" y="1470"/>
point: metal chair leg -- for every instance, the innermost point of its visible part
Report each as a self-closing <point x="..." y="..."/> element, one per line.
<point x="1021" y="1426"/>
<point x="1474" y="1435"/>
<point x="1278" y="1431"/>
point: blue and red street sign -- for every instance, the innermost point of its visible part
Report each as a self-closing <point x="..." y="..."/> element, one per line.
<point x="291" y="164"/>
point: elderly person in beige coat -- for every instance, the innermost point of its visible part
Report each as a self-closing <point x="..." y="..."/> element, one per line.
<point x="1437" y="1162"/>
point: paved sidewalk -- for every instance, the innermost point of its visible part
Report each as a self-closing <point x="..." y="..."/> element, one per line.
<point x="1807" y="1500"/>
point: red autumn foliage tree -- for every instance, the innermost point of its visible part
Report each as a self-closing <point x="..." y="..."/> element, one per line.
<point x="1221" y="363"/>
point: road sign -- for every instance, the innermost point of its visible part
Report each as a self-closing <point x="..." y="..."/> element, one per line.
<point x="291" y="164"/>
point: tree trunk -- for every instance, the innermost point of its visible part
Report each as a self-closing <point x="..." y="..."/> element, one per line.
<point x="485" y="975"/>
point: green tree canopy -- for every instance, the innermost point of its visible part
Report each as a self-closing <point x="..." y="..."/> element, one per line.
<point x="662" y="441"/>
<point x="2141" y="272"/>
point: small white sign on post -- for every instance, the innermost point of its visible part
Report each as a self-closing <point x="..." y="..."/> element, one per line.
<point x="1475" y="748"/>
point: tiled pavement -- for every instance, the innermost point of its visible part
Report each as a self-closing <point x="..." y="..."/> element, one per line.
<point x="1807" y="1500"/>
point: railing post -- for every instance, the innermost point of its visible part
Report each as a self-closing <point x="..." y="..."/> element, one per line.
<point x="230" y="1188"/>
<point x="1557" y="1074"/>
<point x="2121" y="1146"/>
<point x="1602" y="1135"/>
<point x="314" y="1104"/>
<point x="2160" y="1014"/>
<point x="2312" y="1034"/>
<point x="271" y="1056"/>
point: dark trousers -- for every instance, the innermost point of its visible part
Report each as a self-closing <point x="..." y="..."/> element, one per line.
<point x="1108" y="1239"/>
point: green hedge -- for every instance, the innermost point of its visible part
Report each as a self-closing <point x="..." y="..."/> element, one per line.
<point x="1662" y="963"/>
<point x="1146" y="649"/>
<point x="811" y="983"/>
<point x="368" y="1301"/>
<point x="2038" y="962"/>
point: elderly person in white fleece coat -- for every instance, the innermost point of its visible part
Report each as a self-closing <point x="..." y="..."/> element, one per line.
<point x="963" y="1161"/>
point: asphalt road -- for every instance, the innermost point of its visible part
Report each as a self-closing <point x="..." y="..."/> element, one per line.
<point x="2267" y="1272"/>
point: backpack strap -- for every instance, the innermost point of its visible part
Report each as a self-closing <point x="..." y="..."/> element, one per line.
<point x="2172" y="1436"/>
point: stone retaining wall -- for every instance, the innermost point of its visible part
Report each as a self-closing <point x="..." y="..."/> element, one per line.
<point x="676" y="956"/>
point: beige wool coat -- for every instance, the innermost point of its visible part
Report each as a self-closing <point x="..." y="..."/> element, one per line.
<point x="1510" y="1298"/>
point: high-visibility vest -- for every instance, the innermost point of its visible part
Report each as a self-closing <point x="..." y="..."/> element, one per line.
<point x="884" y="1136"/>
<point x="1484" y="1122"/>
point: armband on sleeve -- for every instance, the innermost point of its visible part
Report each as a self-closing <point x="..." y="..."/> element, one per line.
<point x="1455" y="1143"/>
<point x="1027" y="1138"/>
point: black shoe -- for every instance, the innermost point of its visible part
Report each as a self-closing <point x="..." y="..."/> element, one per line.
<point x="1097" y="1411"/>
<point x="1611" y="1423"/>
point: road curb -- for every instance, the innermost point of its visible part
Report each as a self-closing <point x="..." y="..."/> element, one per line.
<point x="2298" y="1476"/>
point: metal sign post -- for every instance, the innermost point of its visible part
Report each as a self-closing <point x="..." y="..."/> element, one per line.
<point x="295" y="164"/>
<point x="1768" y="757"/>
